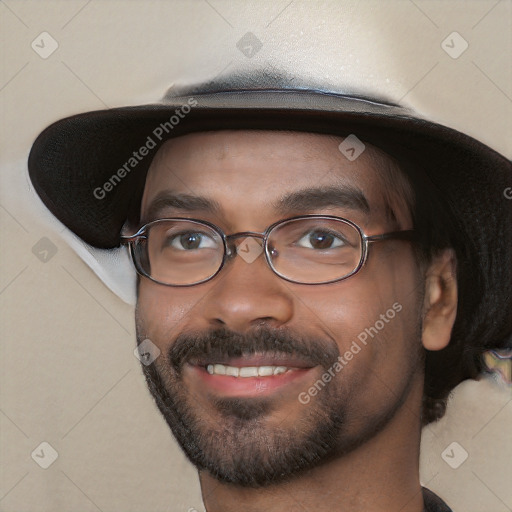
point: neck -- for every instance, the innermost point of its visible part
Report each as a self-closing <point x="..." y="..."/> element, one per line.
<point x="382" y="475"/>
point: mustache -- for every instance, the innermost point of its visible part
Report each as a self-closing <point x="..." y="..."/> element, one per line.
<point x="223" y="342"/>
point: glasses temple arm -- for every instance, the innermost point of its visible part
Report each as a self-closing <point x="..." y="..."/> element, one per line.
<point x="408" y="234"/>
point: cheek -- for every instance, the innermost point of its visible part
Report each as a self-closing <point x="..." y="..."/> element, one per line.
<point x="348" y="308"/>
<point x="379" y="345"/>
<point x="374" y="318"/>
<point x="161" y="311"/>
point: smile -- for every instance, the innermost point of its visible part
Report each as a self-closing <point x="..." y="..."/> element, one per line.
<point x="251" y="375"/>
<point x="246" y="371"/>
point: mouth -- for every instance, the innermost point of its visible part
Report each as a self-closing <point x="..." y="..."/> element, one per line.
<point x="250" y="376"/>
<point x="246" y="371"/>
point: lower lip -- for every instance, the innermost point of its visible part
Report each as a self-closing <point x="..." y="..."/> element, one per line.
<point x="249" y="386"/>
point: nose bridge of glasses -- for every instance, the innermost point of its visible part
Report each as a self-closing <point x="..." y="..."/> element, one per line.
<point x="231" y="240"/>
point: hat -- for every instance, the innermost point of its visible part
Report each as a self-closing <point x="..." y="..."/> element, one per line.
<point x="89" y="169"/>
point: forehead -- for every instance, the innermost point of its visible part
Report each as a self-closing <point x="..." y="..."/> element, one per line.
<point x="245" y="172"/>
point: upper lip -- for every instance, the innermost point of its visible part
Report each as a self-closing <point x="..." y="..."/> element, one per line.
<point x="267" y="359"/>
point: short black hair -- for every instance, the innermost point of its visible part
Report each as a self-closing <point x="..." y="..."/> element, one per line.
<point x="463" y="358"/>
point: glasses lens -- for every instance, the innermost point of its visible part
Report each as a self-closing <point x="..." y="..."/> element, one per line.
<point x="314" y="250"/>
<point x="180" y="252"/>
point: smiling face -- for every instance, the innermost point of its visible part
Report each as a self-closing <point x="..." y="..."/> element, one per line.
<point x="260" y="378"/>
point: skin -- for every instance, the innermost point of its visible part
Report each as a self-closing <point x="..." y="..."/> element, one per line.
<point x="373" y="461"/>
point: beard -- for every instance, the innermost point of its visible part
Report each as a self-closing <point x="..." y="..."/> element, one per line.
<point x="232" y="438"/>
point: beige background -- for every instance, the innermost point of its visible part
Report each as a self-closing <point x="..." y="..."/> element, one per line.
<point x="68" y="374"/>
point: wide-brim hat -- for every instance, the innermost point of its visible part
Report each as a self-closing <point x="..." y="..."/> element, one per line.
<point x="89" y="169"/>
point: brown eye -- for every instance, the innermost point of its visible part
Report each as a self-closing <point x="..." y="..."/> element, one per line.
<point x="189" y="240"/>
<point x="320" y="239"/>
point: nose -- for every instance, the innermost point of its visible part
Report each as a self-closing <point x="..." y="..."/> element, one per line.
<point x="247" y="294"/>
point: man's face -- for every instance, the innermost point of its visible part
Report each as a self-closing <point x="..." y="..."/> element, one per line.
<point x="257" y="430"/>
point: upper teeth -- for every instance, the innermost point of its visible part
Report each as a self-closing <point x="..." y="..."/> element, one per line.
<point x="245" y="371"/>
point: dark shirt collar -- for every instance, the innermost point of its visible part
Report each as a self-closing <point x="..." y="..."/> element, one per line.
<point x="433" y="503"/>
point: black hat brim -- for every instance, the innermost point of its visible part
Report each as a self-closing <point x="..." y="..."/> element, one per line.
<point x="73" y="166"/>
<point x="78" y="155"/>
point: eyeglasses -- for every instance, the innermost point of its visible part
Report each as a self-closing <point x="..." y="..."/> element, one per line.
<point x="310" y="249"/>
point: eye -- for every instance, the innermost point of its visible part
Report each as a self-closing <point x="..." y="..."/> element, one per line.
<point x="321" y="239"/>
<point x="190" y="240"/>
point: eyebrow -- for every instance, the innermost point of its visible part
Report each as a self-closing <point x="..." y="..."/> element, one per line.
<point x="346" y="197"/>
<point x="321" y="197"/>
<point x="185" y="202"/>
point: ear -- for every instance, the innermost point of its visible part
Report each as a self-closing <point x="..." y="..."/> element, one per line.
<point x="440" y="302"/>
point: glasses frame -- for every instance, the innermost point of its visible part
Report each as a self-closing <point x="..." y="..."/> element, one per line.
<point x="230" y="247"/>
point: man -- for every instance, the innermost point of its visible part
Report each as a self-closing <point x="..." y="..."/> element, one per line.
<point x="312" y="271"/>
